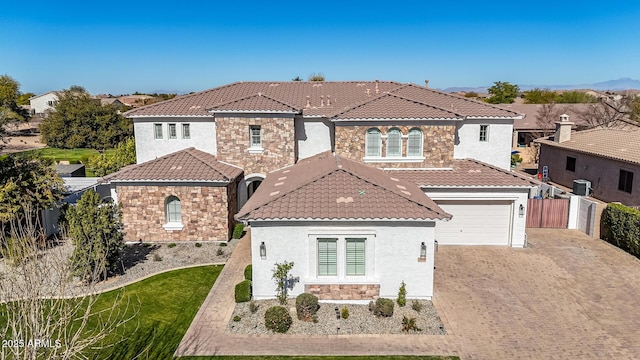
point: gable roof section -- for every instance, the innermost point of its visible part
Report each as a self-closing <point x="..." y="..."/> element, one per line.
<point x="465" y="173"/>
<point x="189" y="165"/>
<point x="612" y="143"/>
<point x="328" y="187"/>
<point x="324" y="99"/>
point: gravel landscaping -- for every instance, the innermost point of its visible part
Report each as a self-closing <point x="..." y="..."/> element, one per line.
<point x="360" y="320"/>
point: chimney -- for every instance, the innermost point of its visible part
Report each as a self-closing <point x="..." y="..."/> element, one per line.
<point x="563" y="129"/>
<point x="328" y="100"/>
<point x="377" y="87"/>
<point x="426" y="83"/>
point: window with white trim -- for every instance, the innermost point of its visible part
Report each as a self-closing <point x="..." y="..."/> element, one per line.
<point x="373" y="143"/>
<point x="173" y="132"/>
<point x="484" y="133"/>
<point x="173" y="212"/>
<point x="394" y="142"/>
<point x="157" y="128"/>
<point x="355" y="256"/>
<point x="414" y="143"/>
<point x="327" y="256"/>
<point x="186" y="131"/>
<point x="255" y="132"/>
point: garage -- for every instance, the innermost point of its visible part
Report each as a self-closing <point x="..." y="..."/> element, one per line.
<point x="475" y="222"/>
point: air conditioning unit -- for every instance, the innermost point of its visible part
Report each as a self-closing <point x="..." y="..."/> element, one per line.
<point x="581" y="187"/>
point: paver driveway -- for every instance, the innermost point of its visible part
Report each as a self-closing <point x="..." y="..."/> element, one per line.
<point x="565" y="297"/>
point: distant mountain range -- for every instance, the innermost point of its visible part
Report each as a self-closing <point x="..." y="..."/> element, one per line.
<point x="620" y="84"/>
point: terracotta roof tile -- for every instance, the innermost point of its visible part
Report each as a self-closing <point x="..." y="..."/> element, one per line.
<point x="185" y="165"/>
<point x="327" y="187"/>
<point x="391" y="106"/>
<point x="613" y="143"/>
<point x="254" y="103"/>
<point x="465" y="173"/>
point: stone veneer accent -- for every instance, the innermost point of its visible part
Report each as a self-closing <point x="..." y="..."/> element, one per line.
<point x="344" y="291"/>
<point x="207" y="212"/>
<point x="278" y="142"/>
<point x="438" y="143"/>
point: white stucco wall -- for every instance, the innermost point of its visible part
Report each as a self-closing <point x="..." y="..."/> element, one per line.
<point x="40" y="103"/>
<point x="202" y="129"/>
<point x="496" y="151"/>
<point x="518" y="195"/>
<point x="392" y="252"/>
<point x="313" y="136"/>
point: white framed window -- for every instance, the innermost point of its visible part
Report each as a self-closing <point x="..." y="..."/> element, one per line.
<point x="173" y="213"/>
<point x="186" y="131"/>
<point x="394" y="142"/>
<point x="157" y="128"/>
<point x="327" y="257"/>
<point x="355" y="256"/>
<point x="484" y="133"/>
<point x="373" y="143"/>
<point x="414" y="143"/>
<point x="255" y="133"/>
<point x="173" y="132"/>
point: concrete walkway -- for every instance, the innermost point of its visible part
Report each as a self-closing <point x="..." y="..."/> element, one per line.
<point x="567" y="296"/>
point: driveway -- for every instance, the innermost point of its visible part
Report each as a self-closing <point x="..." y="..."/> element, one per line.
<point x="566" y="296"/>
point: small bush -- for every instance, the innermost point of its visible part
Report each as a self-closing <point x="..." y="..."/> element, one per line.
<point x="198" y="245"/>
<point x="147" y="245"/>
<point x="157" y="257"/>
<point x="243" y="291"/>
<point x="219" y="252"/>
<point x="171" y="245"/>
<point x="372" y="305"/>
<point x="409" y="324"/>
<point x="402" y="295"/>
<point x="621" y="227"/>
<point x="344" y="313"/>
<point x="383" y="307"/>
<point x="306" y="306"/>
<point x="416" y="305"/>
<point x="222" y="244"/>
<point x="248" y="272"/>
<point x="237" y="318"/>
<point x="277" y="319"/>
<point x="253" y="307"/>
<point x="237" y="231"/>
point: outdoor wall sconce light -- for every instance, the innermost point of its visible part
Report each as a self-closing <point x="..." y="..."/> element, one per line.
<point x="263" y="251"/>
<point x="521" y="210"/>
<point x="423" y="251"/>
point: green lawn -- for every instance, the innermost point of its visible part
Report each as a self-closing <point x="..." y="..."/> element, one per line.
<point x="55" y="154"/>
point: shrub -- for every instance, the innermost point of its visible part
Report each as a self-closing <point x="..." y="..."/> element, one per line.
<point x="621" y="227"/>
<point x="219" y="252"/>
<point x="171" y="245"/>
<point x="253" y="307"/>
<point x="402" y="295"/>
<point x="222" y="244"/>
<point x="344" y="313"/>
<point x="198" y="245"/>
<point x="277" y="319"/>
<point x="157" y="257"/>
<point x="383" y="307"/>
<point x="372" y="305"/>
<point x="416" y="305"/>
<point x="306" y="306"/>
<point x="237" y="318"/>
<point x="248" y="272"/>
<point x="409" y="324"/>
<point x="237" y="231"/>
<point x="243" y="291"/>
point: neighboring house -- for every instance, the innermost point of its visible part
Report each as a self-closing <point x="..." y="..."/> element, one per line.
<point x="353" y="231"/>
<point x="186" y="195"/>
<point x="607" y="157"/>
<point x="112" y="101"/>
<point x="70" y="170"/>
<point x="45" y="103"/>
<point x="134" y="100"/>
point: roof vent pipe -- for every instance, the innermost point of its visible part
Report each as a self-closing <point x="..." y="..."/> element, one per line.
<point x="328" y="100"/>
<point x="426" y="83"/>
<point x="308" y="101"/>
<point x="368" y="92"/>
<point x="377" y="87"/>
<point x="321" y="100"/>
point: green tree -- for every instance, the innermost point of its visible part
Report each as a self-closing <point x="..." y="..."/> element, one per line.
<point x="540" y="96"/>
<point x="80" y="121"/>
<point x="316" y="77"/>
<point x="9" y="108"/>
<point x="282" y="277"/>
<point x="23" y="99"/>
<point x="111" y="161"/>
<point x="575" y="97"/>
<point x="502" y="93"/>
<point x="27" y="183"/>
<point x="297" y="78"/>
<point x="95" y="229"/>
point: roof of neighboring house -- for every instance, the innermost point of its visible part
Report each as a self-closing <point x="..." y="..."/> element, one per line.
<point x="107" y="101"/>
<point x="464" y="173"/>
<point x="330" y="99"/>
<point x="56" y="93"/>
<point x="65" y="169"/>
<point x="329" y="187"/>
<point x="529" y="121"/>
<point x="613" y="143"/>
<point x="188" y="165"/>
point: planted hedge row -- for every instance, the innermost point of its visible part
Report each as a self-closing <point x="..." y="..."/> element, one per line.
<point x="621" y="227"/>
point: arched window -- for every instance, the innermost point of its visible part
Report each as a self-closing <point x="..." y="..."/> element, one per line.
<point x="374" y="143"/>
<point x="394" y="142"/>
<point x="414" y="143"/>
<point x="172" y="210"/>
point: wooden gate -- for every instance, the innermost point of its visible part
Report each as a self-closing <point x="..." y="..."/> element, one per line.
<point x="548" y="213"/>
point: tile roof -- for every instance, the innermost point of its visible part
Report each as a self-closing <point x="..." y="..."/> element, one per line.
<point x="189" y="165"/>
<point x="392" y="106"/>
<point x="613" y="143"/>
<point x="329" y="187"/>
<point x="464" y="173"/>
<point x="322" y="99"/>
<point x="530" y="111"/>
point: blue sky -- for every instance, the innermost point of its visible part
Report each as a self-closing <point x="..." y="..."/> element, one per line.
<point x="109" y="47"/>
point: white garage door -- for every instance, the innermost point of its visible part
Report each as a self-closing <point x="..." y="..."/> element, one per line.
<point x="475" y="223"/>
